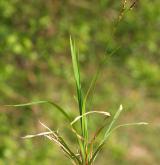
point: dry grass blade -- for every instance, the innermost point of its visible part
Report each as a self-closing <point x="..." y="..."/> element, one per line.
<point x="77" y="134"/>
<point x="52" y="135"/>
<point x="88" y="113"/>
<point x="60" y="145"/>
<point x="39" y="134"/>
<point x="45" y="126"/>
<point x="61" y="142"/>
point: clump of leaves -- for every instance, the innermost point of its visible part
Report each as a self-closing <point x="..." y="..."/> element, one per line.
<point x="87" y="149"/>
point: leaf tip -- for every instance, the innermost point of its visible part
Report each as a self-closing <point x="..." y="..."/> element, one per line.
<point x="121" y="107"/>
<point x="143" y="123"/>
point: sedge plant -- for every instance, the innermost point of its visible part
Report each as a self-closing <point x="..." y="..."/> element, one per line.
<point x="88" y="149"/>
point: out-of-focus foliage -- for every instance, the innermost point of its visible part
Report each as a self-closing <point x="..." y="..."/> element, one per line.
<point x="35" y="64"/>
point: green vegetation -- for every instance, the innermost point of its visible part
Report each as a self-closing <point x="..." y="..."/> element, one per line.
<point x="86" y="153"/>
<point x="35" y="64"/>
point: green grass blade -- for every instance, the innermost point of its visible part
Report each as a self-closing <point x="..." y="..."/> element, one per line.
<point x="68" y="148"/>
<point x="111" y="130"/>
<point x="127" y="125"/>
<point x="91" y="86"/>
<point x="67" y="116"/>
<point x="112" y="123"/>
<point x="98" y="72"/>
<point x="104" y="113"/>
<point x="106" y="133"/>
<point x="27" y="104"/>
<point x="77" y="77"/>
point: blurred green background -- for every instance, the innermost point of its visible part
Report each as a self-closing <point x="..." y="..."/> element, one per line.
<point x="35" y="64"/>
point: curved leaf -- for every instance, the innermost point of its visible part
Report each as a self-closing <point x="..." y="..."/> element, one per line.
<point x="44" y="102"/>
